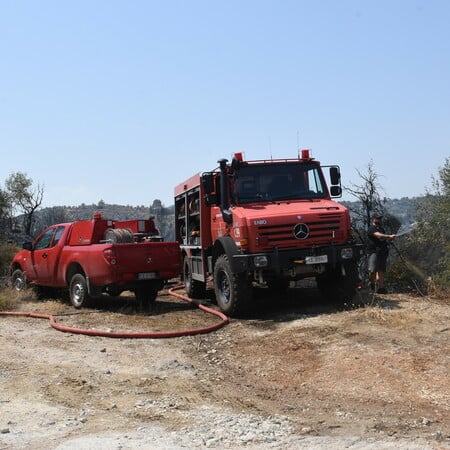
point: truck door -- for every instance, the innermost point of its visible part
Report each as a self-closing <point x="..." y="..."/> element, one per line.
<point x="46" y="254"/>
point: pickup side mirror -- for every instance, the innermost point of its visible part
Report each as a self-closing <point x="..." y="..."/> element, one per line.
<point x="27" y="245"/>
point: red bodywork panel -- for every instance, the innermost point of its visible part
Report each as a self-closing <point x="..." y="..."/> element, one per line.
<point x="271" y="225"/>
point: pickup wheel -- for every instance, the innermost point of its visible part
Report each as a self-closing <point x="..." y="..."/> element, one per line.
<point x="146" y="295"/>
<point x="194" y="288"/>
<point x="18" y="280"/>
<point x="78" y="291"/>
<point x="233" y="291"/>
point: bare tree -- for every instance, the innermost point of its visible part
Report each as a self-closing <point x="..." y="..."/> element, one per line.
<point x="368" y="193"/>
<point x="24" y="198"/>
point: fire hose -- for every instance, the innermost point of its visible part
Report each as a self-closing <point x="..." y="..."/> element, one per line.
<point x="132" y="335"/>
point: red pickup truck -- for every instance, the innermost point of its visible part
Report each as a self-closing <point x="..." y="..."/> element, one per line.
<point x="98" y="256"/>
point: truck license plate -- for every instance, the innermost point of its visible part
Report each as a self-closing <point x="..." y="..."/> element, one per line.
<point x="316" y="259"/>
<point x="146" y="275"/>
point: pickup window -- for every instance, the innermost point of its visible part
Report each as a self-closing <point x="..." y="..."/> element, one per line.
<point x="49" y="239"/>
<point x="58" y="234"/>
<point x="44" y="240"/>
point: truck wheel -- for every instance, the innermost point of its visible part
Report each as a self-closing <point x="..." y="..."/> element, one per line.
<point x="338" y="288"/>
<point x="194" y="288"/>
<point x="233" y="291"/>
<point x="351" y="281"/>
<point x="78" y="291"/>
<point x="145" y="294"/>
<point x="18" y="280"/>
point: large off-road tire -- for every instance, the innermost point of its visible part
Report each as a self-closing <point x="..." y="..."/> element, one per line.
<point x="338" y="288"/>
<point x="194" y="288"/>
<point x="145" y="294"/>
<point x="18" y="280"/>
<point x="233" y="291"/>
<point x="78" y="291"/>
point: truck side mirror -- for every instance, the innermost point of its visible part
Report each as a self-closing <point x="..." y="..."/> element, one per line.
<point x="210" y="199"/>
<point x="209" y="189"/>
<point x="208" y="183"/>
<point x="335" y="191"/>
<point x="335" y="175"/>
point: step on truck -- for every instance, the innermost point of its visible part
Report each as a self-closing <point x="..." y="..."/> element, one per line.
<point x="94" y="257"/>
<point x="266" y="222"/>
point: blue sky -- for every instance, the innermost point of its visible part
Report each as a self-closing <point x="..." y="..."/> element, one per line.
<point x="120" y="101"/>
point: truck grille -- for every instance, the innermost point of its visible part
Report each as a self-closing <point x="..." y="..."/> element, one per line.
<point x="323" y="228"/>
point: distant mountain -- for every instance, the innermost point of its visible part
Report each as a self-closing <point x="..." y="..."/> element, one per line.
<point x="404" y="209"/>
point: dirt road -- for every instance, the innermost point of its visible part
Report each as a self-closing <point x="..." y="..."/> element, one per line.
<point x="298" y="374"/>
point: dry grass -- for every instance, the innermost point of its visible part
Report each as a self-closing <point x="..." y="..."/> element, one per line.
<point x="10" y="299"/>
<point x="437" y="291"/>
<point x="391" y="317"/>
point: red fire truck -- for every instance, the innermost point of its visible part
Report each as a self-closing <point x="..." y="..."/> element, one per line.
<point x="265" y="222"/>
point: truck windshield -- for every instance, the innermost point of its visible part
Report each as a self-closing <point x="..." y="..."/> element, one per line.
<point x="272" y="182"/>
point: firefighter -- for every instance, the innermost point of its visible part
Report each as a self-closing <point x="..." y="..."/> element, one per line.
<point x="378" y="251"/>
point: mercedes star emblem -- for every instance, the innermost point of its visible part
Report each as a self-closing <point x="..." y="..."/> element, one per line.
<point x="301" y="231"/>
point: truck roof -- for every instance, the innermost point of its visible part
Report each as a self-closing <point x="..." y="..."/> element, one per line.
<point x="190" y="183"/>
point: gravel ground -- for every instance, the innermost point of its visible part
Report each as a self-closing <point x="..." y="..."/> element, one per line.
<point x="297" y="374"/>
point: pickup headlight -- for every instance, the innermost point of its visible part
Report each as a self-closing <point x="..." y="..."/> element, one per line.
<point x="346" y="253"/>
<point x="260" y="261"/>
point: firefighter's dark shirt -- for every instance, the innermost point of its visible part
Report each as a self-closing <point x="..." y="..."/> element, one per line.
<point x="376" y="244"/>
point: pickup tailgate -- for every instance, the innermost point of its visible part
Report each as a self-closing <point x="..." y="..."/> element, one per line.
<point x="148" y="260"/>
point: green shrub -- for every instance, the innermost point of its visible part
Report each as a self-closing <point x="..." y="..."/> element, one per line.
<point x="7" y="252"/>
<point x="404" y="277"/>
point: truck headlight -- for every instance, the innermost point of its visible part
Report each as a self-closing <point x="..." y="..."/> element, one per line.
<point x="261" y="261"/>
<point x="346" y="253"/>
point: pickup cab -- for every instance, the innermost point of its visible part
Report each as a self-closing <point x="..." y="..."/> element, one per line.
<point x="99" y="256"/>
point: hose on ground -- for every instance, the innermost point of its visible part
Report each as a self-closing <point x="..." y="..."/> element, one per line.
<point x="132" y="335"/>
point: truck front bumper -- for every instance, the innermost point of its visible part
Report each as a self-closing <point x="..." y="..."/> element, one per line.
<point x="280" y="261"/>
